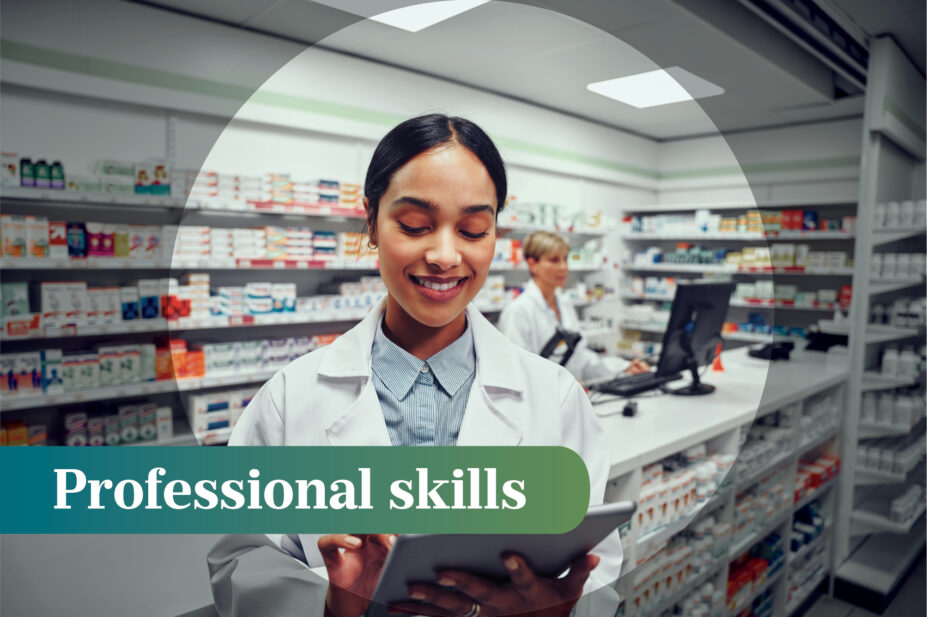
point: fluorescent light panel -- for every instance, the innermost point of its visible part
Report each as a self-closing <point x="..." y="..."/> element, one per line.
<point x="420" y="16"/>
<point x="404" y="14"/>
<point x="660" y="87"/>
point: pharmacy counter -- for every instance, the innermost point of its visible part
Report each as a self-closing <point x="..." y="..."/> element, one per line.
<point x="748" y="387"/>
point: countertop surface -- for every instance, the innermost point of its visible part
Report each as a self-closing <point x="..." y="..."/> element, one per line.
<point x="748" y="387"/>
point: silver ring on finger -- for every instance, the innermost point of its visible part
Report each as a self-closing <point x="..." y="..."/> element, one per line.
<point x="474" y="610"/>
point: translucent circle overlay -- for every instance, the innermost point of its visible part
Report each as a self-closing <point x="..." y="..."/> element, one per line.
<point x="323" y="112"/>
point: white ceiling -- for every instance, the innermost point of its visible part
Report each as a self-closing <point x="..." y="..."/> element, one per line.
<point x="903" y="19"/>
<point x="546" y="58"/>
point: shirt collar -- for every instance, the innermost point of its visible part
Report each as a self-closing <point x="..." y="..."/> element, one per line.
<point x="398" y="369"/>
<point x="453" y="365"/>
<point x="534" y="291"/>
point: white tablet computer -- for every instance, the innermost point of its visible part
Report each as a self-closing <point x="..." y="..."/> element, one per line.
<point x="418" y="558"/>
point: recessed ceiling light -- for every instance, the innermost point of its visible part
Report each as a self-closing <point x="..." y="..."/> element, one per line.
<point x="660" y="87"/>
<point x="405" y="14"/>
<point x="420" y="16"/>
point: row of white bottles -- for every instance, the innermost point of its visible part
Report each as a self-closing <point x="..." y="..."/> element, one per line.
<point x="903" y="313"/>
<point x="897" y="265"/>
<point x="903" y="214"/>
<point x="906" y="364"/>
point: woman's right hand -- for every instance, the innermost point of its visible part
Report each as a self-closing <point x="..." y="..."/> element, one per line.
<point x="638" y="366"/>
<point x="354" y="563"/>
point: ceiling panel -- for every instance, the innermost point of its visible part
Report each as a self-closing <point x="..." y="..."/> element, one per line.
<point x="477" y="45"/>
<point x="541" y="56"/>
<point x="229" y="11"/>
<point x="301" y="20"/>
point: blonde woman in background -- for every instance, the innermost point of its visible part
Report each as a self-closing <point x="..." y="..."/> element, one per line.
<point x="539" y="313"/>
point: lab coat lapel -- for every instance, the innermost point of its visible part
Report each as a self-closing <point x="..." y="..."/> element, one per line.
<point x="362" y="423"/>
<point x="484" y="424"/>
<point x="348" y="359"/>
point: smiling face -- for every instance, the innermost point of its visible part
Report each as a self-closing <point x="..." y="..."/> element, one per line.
<point x="550" y="271"/>
<point x="436" y="234"/>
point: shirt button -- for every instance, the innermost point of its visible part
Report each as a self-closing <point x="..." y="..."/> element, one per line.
<point x="424" y="368"/>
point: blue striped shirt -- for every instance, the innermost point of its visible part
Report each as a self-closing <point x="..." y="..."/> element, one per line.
<point x="423" y="402"/>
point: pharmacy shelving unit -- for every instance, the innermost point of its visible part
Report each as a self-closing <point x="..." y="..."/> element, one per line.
<point x="748" y="390"/>
<point x="874" y="552"/>
<point x="774" y="312"/>
<point x="162" y="210"/>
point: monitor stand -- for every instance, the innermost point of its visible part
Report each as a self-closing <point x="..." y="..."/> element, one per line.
<point x="696" y="388"/>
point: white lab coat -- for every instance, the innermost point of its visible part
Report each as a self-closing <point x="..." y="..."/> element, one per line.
<point x="328" y="398"/>
<point x="529" y="322"/>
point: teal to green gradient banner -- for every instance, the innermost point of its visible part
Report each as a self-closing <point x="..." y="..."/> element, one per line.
<point x="500" y="490"/>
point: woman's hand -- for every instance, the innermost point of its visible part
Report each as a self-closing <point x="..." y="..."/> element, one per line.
<point x="525" y="594"/>
<point x="354" y="563"/>
<point x="637" y="366"/>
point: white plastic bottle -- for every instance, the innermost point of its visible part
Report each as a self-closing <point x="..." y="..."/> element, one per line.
<point x="906" y="214"/>
<point x="892" y="211"/>
<point x="903" y="265"/>
<point x="898" y="314"/>
<point x="879" y="215"/>
<point x="908" y="363"/>
<point x="904" y="408"/>
<point x="885" y="410"/>
<point x="869" y="407"/>
<point x="888" y="265"/>
<point x="890" y="362"/>
<point x="920" y="213"/>
<point x="875" y="266"/>
<point x="877" y="315"/>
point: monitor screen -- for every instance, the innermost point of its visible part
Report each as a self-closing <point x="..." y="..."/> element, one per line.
<point x="694" y="329"/>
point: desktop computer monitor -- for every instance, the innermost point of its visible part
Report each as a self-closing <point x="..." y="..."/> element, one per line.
<point x="694" y="331"/>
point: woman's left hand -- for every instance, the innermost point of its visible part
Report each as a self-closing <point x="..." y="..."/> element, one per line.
<point x="524" y="594"/>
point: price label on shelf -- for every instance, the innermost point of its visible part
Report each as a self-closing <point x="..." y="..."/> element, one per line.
<point x="279" y="265"/>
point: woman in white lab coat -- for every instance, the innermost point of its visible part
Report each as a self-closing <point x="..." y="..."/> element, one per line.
<point x="432" y="194"/>
<point x="540" y="313"/>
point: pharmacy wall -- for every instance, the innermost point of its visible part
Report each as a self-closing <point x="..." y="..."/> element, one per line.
<point x="222" y="107"/>
<point x="810" y="163"/>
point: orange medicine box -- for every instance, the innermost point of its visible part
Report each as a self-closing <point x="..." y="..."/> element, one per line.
<point x="17" y="434"/>
<point x="163" y="364"/>
<point x="194" y="364"/>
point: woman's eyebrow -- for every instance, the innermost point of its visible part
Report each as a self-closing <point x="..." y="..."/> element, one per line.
<point x="480" y="208"/>
<point x="431" y="207"/>
<point x="422" y="204"/>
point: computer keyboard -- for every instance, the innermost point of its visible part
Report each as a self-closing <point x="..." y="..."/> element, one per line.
<point x="628" y="385"/>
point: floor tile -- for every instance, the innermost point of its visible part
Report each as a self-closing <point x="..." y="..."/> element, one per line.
<point x="911" y="600"/>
